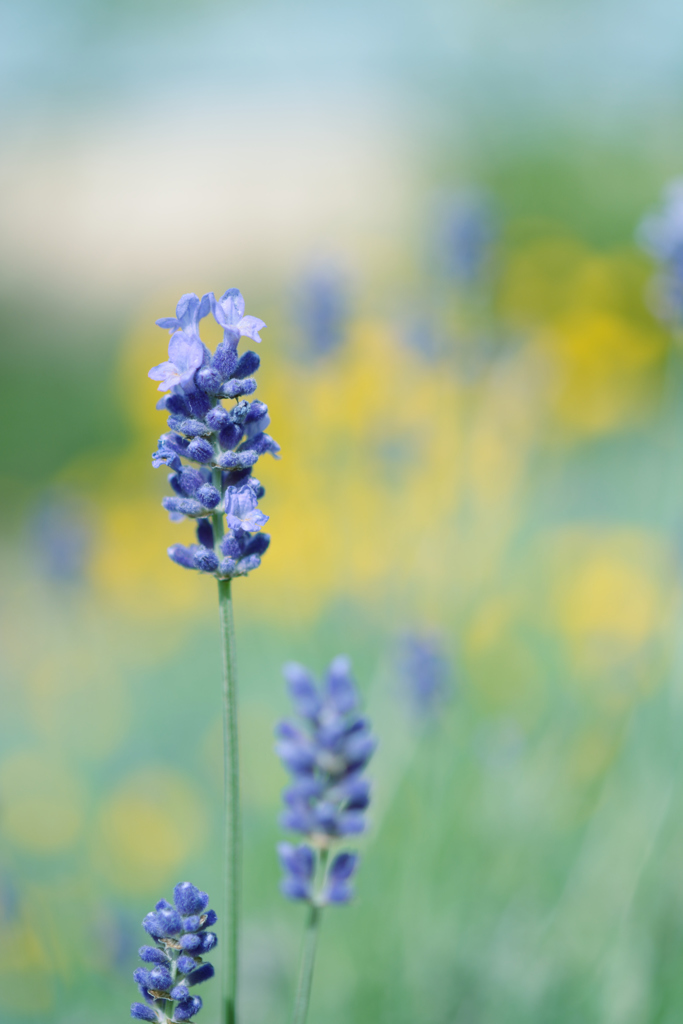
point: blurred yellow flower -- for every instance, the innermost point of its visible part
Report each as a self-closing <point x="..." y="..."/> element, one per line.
<point x="147" y="828"/>
<point x="43" y="802"/>
<point x="612" y="595"/>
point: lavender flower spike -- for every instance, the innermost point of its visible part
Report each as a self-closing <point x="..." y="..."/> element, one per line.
<point x="224" y="443"/>
<point x="328" y="795"/>
<point x="175" y="963"/>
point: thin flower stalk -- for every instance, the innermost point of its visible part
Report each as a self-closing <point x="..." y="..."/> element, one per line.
<point x="211" y="450"/>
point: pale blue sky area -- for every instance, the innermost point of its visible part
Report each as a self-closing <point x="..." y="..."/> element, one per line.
<point x="609" y="64"/>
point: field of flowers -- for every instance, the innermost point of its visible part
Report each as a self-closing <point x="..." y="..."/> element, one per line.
<point x="479" y="500"/>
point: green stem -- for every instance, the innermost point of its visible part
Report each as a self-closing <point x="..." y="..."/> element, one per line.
<point x="232" y="793"/>
<point x="303" y="991"/>
<point x="310" y="943"/>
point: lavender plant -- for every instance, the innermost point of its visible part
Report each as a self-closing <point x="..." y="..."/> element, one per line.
<point x="211" y="451"/>
<point x="177" y="957"/>
<point x="326" y="799"/>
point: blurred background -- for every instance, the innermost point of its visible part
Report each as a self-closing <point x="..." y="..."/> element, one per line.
<point x="477" y="388"/>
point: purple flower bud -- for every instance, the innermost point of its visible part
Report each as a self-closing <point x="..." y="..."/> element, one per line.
<point x="227" y="567"/>
<point x="141" y="976"/>
<point x="177" y="404"/>
<point x="205" y="533"/>
<point x="187" y="1008"/>
<point x="237" y="460"/>
<point x="230" y="436"/>
<point x="205" y="560"/>
<point x="248" y="364"/>
<point x="181" y="555"/>
<point x="340" y="689"/>
<point x="338" y="892"/>
<point x="209" y="380"/>
<point x="202" y="973"/>
<point x="235" y="388"/>
<point x="326" y="818"/>
<point x="190" y="943"/>
<point x="302" y="689"/>
<point x="184" y="506"/>
<point x="297" y="860"/>
<point x="211" y="918"/>
<point x="351" y="823"/>
<point x="343" y="867"/>
<point x="225" y="357"/>
<point x="161" y="924"/>
<point x="294" y="889"/>
<point x="160" y="979"/>
<point x="152" y="955"/>
<point x="180" y="992"/>
<point x="297" y="757"/>
<point x="191" y="923"/>
<point x="303" y="788"/>
<point x="186" y="964"/>
<point x="142" y="1012"/>
<point x="209" y="941"/>
<point x="189" y="899"/>
<point x="297" y="819"/>
<point x="189" y="427"/>
<point x="199" y="404"/>
<point x="246" y="565"/>
<point x="258" y="544"/>
<point x="261" y="443"/>
<point x="358" y="750"/>
<point x="218" y="417"/>
<point x="200" y="450"/>
<point x="208" y="495"/>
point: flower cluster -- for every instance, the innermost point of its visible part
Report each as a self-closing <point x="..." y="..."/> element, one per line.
<point x="176" y="960"/>
<point x="328" y="795"/>
<point x="661" y="234"/>
<point x="223" y="443"/>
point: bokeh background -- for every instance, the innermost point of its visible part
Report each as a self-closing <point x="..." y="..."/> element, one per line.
<point x="433" y="206"/>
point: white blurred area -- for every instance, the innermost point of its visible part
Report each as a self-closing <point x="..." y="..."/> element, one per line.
<point x="123" y="206"/>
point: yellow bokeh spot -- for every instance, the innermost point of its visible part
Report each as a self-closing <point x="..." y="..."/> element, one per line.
<point x="604" y="370"/>
<point x="147" y="828"/>
<point x="42" y="802"/>
<point x="611" y="594"/>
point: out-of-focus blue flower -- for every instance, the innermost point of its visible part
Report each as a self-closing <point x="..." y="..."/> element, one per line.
<point x="224" y="443"/>
<point x="177" y="959"/>
<point x="661" y="234"/>
<point x="322" y="310"/>
<point x="61" y="538"/>
<point x="328" y="794"/>
<point x="467" y="230"/>
<point x="424" y="669"/>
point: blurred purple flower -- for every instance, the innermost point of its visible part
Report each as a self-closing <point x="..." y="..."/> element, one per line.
<point x="424" y="670"/>
<point x="322" y="309"/>
<point x="661" y="235"/>
<point x="467" y="230"/>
